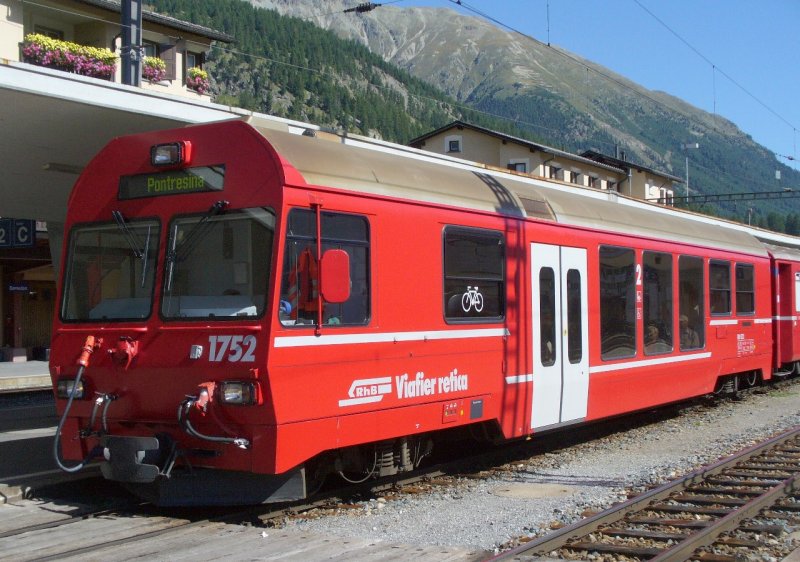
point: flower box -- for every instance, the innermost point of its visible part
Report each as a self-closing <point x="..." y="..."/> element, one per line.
<point x="69" y="57"/>
<point x="197" y="80"/>
<point x="154" y="69"/>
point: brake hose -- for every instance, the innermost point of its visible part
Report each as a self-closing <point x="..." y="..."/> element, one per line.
<point x="83" y="362"/>
<point x="183" y="419"/>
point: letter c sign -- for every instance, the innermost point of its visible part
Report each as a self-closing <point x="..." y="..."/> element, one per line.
<point x="24" y="233"/>
<point x="17" y="233"/>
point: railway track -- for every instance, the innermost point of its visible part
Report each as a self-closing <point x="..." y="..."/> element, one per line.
<point x="719" y="513"/>
<point x="96" y="530"/>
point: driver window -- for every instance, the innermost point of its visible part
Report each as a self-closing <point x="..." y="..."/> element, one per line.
<point x="299" y="300"/>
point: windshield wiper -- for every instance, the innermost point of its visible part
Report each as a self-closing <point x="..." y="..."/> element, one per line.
<point x="180" y="251"/>
<point x="133" y="242"/>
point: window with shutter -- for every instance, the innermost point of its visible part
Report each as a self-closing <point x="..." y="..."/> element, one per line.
<point x="168" y="55"/>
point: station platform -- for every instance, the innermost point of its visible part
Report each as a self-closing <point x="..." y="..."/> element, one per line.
<point x="25" y="375"/>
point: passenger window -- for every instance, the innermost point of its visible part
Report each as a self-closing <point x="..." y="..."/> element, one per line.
<point x="547" y="316"/>
<point x="719" y="289"/>
<point x="617" y="302"/>
<point x="474" y="275"/>
<point x="657" y="281"/>
<point x="574" y="325"/>
<point x="299" y="282"/>
<point x="745" y="289"/>
<point x="690" y="295"/>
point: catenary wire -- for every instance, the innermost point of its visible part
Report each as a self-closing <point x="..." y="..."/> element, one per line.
<point x="620" y="83"/>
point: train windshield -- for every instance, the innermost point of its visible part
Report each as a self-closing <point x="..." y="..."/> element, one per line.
<point x="111" y="271"/>
<point x="218" y="264"/>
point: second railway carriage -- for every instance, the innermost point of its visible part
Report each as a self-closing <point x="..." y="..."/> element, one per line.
<point x="332" y="307"/>
<point x="786" y="308"/>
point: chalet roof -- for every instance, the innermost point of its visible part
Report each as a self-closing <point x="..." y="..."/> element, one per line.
<point x="611" y="161"/>
<point x="167" y="21"/>
<point x="418" y="142"/>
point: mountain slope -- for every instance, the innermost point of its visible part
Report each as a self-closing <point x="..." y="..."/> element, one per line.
<point x="555" y="97"/>
<point x="291" y="68"/>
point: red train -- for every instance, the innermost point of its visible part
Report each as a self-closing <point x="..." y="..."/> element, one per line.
<point x="244" y="310"/>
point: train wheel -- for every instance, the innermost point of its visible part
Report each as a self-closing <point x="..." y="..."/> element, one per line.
<point x="316" y="474"/>
<point x="727" y="385"/>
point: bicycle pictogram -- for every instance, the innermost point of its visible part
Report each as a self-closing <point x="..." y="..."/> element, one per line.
<point x="472" y="298"/>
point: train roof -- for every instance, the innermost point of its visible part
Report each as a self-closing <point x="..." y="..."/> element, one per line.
<point x="363" y="165"/>
<point x="783" y="253"/>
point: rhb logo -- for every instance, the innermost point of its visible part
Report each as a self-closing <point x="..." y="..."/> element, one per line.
<point x="367" y="391"/>
<point x="370" y="390"/>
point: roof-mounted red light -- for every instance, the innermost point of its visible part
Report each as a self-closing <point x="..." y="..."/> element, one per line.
<point x="171" y="154"/>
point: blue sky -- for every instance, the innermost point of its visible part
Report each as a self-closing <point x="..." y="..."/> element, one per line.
<point x="738" y="58"/>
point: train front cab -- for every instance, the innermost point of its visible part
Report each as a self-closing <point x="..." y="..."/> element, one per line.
<point x="786" y="309"/>
<point x="168" y="268"/>
<point x="305" y="386"/>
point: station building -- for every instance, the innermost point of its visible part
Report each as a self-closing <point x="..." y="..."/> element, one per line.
<point x="54" y="117"/>
<point x="589" y="169"/>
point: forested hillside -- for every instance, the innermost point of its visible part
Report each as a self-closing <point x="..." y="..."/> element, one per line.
<point x="291" y="68"/>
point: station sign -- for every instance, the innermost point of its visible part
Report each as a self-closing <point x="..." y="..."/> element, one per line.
<point x="22" y="287"/>
<point x="17" y="233"/>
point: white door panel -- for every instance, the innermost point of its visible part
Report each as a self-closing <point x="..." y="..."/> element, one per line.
<point x="546" y="299"/>
<point x="560" y="335"/>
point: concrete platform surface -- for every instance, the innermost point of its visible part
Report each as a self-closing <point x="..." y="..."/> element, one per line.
<point x="26" y="375"/>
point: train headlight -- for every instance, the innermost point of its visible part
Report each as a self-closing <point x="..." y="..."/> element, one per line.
<point x="171" y="154"/>
<point x="239" y="393"/>
<point x="64" y="388"/>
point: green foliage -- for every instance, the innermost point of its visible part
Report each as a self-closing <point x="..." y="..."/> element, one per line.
<point x="291" y="68"/>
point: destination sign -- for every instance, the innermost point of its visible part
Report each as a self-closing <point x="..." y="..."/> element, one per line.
<point x="172" y="182"/>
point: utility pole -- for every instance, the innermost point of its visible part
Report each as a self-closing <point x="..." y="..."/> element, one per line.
<point x="686" y="147"/>
<point x="131" y="56"/>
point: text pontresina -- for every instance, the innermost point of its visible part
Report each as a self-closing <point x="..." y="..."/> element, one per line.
<point x="170" y="184"/>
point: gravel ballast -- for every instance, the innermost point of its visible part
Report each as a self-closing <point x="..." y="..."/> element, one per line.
<point x="553" y="489"/>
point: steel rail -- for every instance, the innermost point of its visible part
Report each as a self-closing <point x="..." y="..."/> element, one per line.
<point x="707" y="536"/>
<point x="562" y="537"/>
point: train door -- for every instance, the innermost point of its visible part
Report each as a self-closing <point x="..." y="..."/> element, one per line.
<point x="560" y="335"/>
<point x="787" y="306"/>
